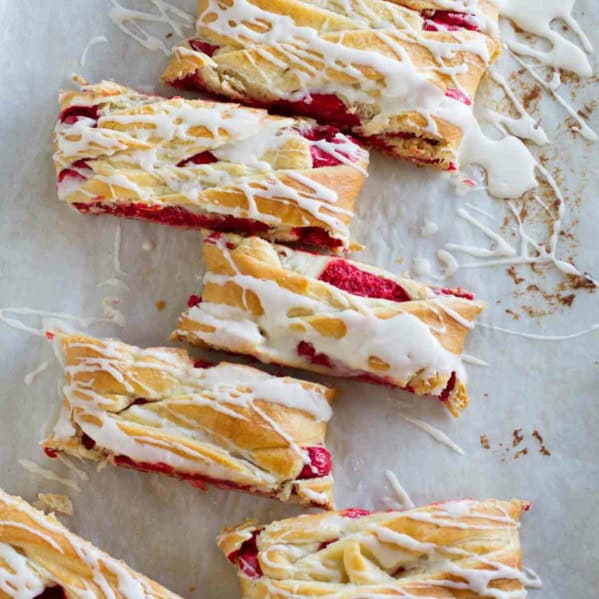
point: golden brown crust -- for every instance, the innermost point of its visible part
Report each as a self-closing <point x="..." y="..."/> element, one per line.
<point x="255" y="68"/>
<point x="243" y="275"/>
<point x="229" y="424"/>
<point x="126" y="153"/>
<point x="463" y="549"/>
<point x="38" y="552"/>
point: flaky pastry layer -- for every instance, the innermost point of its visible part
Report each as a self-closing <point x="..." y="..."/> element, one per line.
<point x="40" y="558"/>
<point x="401" y="75"/>
<point x="456" y="549"/>
<point x="224" y="424"/>
<point x="201" y="164"/>
<point x="332" y="316"/>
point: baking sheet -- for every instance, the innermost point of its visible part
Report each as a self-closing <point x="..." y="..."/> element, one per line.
<point x="53" y="259"/>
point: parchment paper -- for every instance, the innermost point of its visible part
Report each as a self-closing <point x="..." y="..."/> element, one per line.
<point x="53" y="259"/>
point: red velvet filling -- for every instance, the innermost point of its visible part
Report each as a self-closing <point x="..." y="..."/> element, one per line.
<point x="175" y="216"/>
<point x="193" y="300"/>
<point x="320" y="463"/>
<point x="456" y="94"/>
<point x="201" y="158"/>
<point x="325" y="544"/>
<point x="72" y="114"/>
<point x="205" y="47"/>
<point x="354" y="512"/>
<point x="326" y="107"/>
<point x="447" y="20"/>
<point x="71" y="173"/>
<point x="51" y="453"/>
<point x="87" y="442"/>
<point x="197" y="480"/>
<point x="246" y="557"/>
<point x="346" y="276"/>
<point x="306" y="349"/>
<point x="52" y="593"/>
<point x="320" y="157"/>
<point x="459" y="292"/>
<point x="449" y="388"/>
<point x="315" y="236"/>
<point x="204" y="364"/>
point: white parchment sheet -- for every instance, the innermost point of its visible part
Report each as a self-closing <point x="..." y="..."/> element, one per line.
<point x="52" y="258"/>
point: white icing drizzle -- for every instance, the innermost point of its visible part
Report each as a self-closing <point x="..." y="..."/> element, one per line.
<point x="537" y="18"/>
<point x="538" y="337"/>
<point x="132" y="23"/>
<point x="530" y="251"/>
<point x="117" y="250"/>
<point x="401" y="496"/>
<point x="468" y="359"/>
<point x="20" y="580"/>
<point x="429" y="228"/>
<point x="583" y="126"/>
<point x="94" y="41"/>
<point x="31" y="376"/>
<point x="49" y="475"/>
<point x="80" y="474"/>
<point x="433" y="432"/>
<point x="18" y="325"/>
<point x="532" y="579"/>
<point x="525" y="127"/>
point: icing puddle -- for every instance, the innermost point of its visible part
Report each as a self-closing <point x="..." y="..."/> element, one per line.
<point x="536" y="230"/>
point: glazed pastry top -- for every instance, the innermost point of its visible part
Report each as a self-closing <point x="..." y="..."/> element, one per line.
<point x="37" y="554"/>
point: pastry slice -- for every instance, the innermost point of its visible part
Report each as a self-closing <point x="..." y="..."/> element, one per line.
<point x="331" y="315"/>
<point x="226" y="425"/>
<point x="193" y="163"/>
<point x="400" y="75"/>
<point x="450" y="550"/>
<point x="41" y="559"/>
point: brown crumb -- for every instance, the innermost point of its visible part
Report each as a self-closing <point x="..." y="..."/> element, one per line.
<point x="160" y="305"/>
<point x="582" y="282"/>
<point x="520" y="453"/>
<point x="399" y="261"/>
<point x="513" y="314"/>
<point x="484" y="442"/>
<point x="533" y="94"/>
<point x="517" y="437"/>
<point x="169" y="35"/>
<point x="542" y="449"/>
<point x="511" y="271"/>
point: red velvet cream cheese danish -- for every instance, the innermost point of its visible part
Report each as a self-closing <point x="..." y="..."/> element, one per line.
<point x="447" y="550"/>
<point x="226" y="425"/>
<point x="401" y="75"/>
<point x="41" y="559"/>
<point x="332" y="316"/>
<point x="193" y="163"/>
